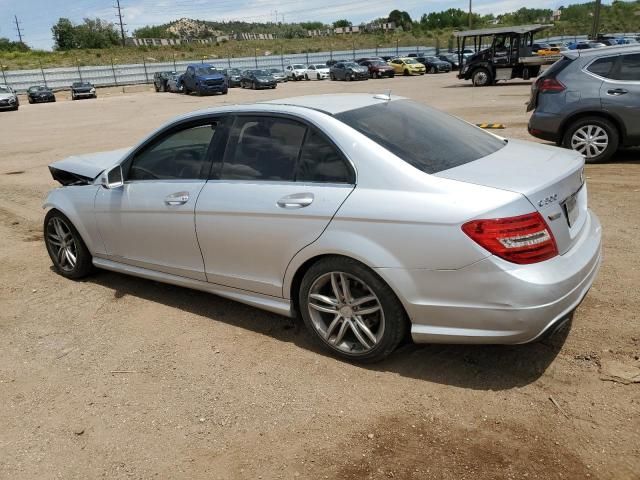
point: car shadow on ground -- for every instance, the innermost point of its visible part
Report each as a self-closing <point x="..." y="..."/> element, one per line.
<point x="480" y="367"/>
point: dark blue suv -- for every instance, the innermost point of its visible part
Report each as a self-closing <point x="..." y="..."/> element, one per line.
<point x="204" y="79"/>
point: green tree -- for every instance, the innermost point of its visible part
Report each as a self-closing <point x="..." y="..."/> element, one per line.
<point x="7" y="45"/>
<point x="341" y="23"/>
<point x="312" y="25"/>
<point x="64" y="34"/>
<point x="401" y="19"/>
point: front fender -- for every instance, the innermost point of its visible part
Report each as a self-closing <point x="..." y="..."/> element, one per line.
<point x="77" y="204"/>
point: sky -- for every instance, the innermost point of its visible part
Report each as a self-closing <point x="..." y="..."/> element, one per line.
<point x="37" y="16"/>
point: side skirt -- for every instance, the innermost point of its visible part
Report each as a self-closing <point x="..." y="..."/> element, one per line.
<point x="280" y="306"/>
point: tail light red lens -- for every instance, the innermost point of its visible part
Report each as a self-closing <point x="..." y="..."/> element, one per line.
<point x="546" y="85"/>
<point x="523" y="239"/>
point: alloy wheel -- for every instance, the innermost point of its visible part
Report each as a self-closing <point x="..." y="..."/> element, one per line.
<point x="62" y="243"/>
<point x="590" y="140"/>
<point x="346" y="313"/>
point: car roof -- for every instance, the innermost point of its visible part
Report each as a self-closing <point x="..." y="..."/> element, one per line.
<point x="597" y="52"/>
<point x="333" y="103"/>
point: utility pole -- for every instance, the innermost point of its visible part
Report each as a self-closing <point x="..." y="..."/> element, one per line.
<point x="119" y="15"/>
<point x="18" y="29"/>
<point x="470" y="15"/>
<point x="596" y="21"/>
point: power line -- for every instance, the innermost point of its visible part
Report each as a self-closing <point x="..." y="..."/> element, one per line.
<point x="18" y="28"/>
<point x="119" y="16"/>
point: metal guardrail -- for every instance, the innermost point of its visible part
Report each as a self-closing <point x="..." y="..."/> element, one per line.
<point x="140" y="73"/>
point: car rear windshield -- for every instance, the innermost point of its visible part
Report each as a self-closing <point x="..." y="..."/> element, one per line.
<point x="557" y="67"/>
<point x="430" y="140"/>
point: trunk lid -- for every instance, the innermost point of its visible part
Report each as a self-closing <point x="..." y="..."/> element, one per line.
<point x="88" y="166"/>
<point x="552" y="179"/>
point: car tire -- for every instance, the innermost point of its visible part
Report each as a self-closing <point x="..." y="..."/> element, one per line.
<point x="29" y="100"/>
<point x="64" y="244"/>
<point x="385" y="324"/>
<point x="306" y="77"/>
<point x="482" y="78"/>
<point x="156" y="87"/>
<point x="600" y="128"/>
<point x="318" y="76"/>
<point x="433" y="70"/>
<point x="332" y="77"/>
<point x="253" y="85"/>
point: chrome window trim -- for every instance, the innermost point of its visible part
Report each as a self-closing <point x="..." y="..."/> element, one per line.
<point x="606" y="79"/>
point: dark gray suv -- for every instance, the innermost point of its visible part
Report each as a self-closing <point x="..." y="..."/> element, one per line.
<point x="589" y="101"/>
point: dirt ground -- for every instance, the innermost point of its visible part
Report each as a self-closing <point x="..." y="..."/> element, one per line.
<point x="118" y="377"/>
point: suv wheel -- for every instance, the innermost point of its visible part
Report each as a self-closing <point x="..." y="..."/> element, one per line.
<point x="351" y="310"/>
<point x="482" y="77"/>
<point x="594" y="137"/>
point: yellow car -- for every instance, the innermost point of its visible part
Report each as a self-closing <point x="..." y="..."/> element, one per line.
<point x="407" y="66"/>
<point x="550" y="51"/>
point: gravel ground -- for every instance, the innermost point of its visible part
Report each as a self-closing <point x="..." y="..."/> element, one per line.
<point x="118" y="377"/>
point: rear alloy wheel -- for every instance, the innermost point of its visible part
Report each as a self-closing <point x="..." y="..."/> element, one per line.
<point x="482" y="77"/>
<point x="351" y="310"/>
<point x="406" y="73"/>
<point x="595" y="138"/>
<point x="69" y="254"/>
<point x="433" y="70"/>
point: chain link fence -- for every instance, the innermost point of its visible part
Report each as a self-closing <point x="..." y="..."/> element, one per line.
<point x="140" y="73"/>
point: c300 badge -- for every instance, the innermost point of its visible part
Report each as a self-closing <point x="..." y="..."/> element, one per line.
<point x="548" y="200"/>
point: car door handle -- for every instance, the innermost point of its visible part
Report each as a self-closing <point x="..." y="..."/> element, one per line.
<point x="297" y="200"/>
<point x="179" y="198"/>
<point x="617" y="91"/>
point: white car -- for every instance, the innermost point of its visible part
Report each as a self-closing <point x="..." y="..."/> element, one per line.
<point x="317" y="71"/>
<point x="8" y="98"/>
<point x="295" y="71"/>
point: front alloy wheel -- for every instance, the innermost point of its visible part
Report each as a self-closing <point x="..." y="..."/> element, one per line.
<point x="69" y="254"/>
<point x="351" y="310"/>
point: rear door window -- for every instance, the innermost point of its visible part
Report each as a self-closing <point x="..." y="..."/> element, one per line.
<point x="263" y="148"/>
<point x="629" y="68"/>
<point x="320" y="161"/>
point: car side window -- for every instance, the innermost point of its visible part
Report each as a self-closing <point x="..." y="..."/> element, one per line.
<point x="262" y="148"/>
<point x="629" y="68"/>
<point x="602" y="66"/>
<point x="181" y="155"/>
<point x="320" y="161"/>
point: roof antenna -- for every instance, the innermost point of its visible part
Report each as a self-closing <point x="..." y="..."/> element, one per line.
<point x="383" y="96"/>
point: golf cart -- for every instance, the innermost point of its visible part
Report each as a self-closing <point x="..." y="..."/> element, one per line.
<point x="501" y="54"/>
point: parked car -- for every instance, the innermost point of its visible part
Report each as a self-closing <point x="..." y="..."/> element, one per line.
<point x="83" y="90"/>
<point x="370" y="216"/>
<point x="257" y="79"/>
<point x="452" y="59"/>
<point x="8" y="98"/>
<point x="331" y="63"/>
<point x="387" y="58"/>
<point x="316" y="71"/>
<point x="558" y="44"/>
<point x="551" y="51"/>
<point x="539" y="46"/>
<point x="278" y="74"/>
<point x="160" y="80"/>
<point x="586" y="45"/>
<point x="204" y="79"/>
<point x="348" y="71"/>
<point x="174" y="84"/>
<point x="233" y="76"/>
<point x="607" y="84"/>
<point x="378" y="68"/>
<point x="40" y="94"/>
<point x="407" y="66"/>
<point x="433" y="64"/>
<point x="295" y="71"/>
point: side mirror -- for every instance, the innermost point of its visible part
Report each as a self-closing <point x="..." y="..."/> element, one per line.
<point x="112" y="178"/>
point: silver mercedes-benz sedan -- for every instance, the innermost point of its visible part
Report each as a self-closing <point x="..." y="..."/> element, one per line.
<point x="367" y="215"/>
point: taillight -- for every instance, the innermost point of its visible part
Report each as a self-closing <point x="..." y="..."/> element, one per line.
<point x="550" y="85"/>
<point x="523" y="239"/>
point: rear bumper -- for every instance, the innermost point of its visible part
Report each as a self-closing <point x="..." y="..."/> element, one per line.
<point x="497" y="302"/>
<point x="545" y="126"/>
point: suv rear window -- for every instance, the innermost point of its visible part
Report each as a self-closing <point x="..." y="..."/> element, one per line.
<point x="430" y="140"/>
